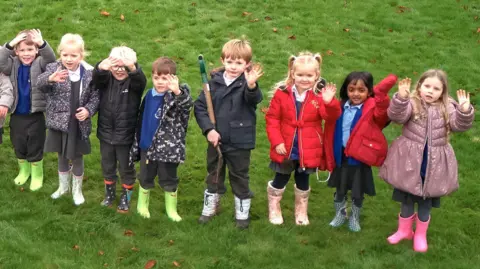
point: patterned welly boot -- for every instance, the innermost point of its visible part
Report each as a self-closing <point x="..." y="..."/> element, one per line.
<point x="274" y="209"/>
<point x="301" y="206"/>
<point x="354" y="219"/>
<point x="125" y="198"/>
<point x="77" y="183"/>
<point x="110" y="195"/>
<point x="63" y="184"/>
<point x="340" y="213"/>
<point x="211" y="203"/>
<point x="242" y="209"/>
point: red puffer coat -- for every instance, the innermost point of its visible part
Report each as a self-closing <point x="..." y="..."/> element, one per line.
<point x="367" y="142"/>
<point x="282" y="123"/>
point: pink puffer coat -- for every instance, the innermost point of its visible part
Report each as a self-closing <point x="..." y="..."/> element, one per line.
<point x="401" y="168"/>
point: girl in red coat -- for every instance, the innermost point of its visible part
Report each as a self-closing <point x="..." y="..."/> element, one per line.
<point x="294" y="129"/>
<point x="358" y="142"/>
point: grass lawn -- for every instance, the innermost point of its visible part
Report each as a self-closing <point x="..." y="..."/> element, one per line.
<point x="403" y="37"/>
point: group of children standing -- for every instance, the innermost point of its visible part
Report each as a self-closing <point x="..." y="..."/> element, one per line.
<point x="308" y="129"/>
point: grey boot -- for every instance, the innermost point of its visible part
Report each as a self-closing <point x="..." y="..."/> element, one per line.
<point x="211" y="204"/>
<point x="340" y="213"/>
<point x="354" y="219"/>
<point x="125" y="198"/>
<point x="242" y="209"/>
<point x="110" y="194"/>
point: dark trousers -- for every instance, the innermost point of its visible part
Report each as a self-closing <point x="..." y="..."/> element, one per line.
<point x="1" y="135"/>
<point x="27" y="133"/>
<point x="113" y="154"/>
<point x="166" y="172"/>
<point x="238" y="163"/>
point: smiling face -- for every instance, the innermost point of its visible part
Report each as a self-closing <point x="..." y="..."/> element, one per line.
<point x="357" y="92"/>
<point x="160" y="82"/>
<point x="71" y="56"/>
<point x="119" y="72"/>
<point x="431" y="90"/>
<point x="234" y="67"/>
<point x="305" y="76"/>
<point x="26" y="53"/>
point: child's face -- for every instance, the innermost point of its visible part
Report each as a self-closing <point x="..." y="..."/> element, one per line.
<point x="305" y="76"/>
<point x="119" y="72"/>
<point x="357" y="92"/>
<point x="234" y="67"/>
<point x="26" y="53"/>
<point x="71" y="56"/>
<point x="160" y="82"/>
<point x="431" y="89"/>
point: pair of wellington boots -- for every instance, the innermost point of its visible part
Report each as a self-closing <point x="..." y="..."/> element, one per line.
<point x="405" y="232"/>
<point x="66" y="182"/>
<point x="211" y="207"/>
<point x="301" y="205"/>
<point x="32" y="170"/>
<point x="110" y="196"/>
<point x="170" y="204"/>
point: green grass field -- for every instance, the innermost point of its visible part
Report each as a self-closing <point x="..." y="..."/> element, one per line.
<point x="403" y="37"/>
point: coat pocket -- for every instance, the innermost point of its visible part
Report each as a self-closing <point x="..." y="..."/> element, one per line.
<point x="242" y="132"/>
<point x="370" y="152"/>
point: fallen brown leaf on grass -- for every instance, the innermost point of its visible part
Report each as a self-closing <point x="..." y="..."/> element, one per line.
<point x="128" y="233"/>
<point x="268" y="18"/>
<point x="122" y="18"/>
<point x="136" y="11"/>
<point x="415" y="73"/>
<point x="104" y="13"/>
<point x="373" y="61"/>
<point x="478" y="30"/>
<point x="329" y="52"/>
<point x="170" y="242"/>
<point x="75" y="247"/>
<point x="275" y="30"/>
<point x="390" y="30"/>
<point x="254" y="20"/>
<point x="245" y="13"/>
<point x="105" y="265"/>
<point x="135" y="249"/>
<point x="176" y="264"/>
<point x="193" y="4"/>
<point x="150" y="264"/>
<point x="343" y="54"/>
<point x="288" y="27"/>
<point x="346" y="29"/>
<point x="59" y="19"/>
<point x="402" y="9"/>
<point x="475" y="18"/>
<point x="22" y="189"/>
<point x="292" y="37"/>
<point x="101" y="253"/>
<point x="430" y="33"/>
<point x="304" y="242"/>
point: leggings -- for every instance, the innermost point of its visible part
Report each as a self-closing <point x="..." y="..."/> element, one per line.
<point x="281" y="180"/>
<point x="341" y="198"/>
<point x="77" y="165"/>
<point x="424" y="207"/>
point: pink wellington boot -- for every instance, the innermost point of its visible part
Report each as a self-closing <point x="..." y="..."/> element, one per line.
<point x="301" y="206"/>
<point x="420" y="237"/>
<point x="274" y="209"/>
<point x="404" y="231"/>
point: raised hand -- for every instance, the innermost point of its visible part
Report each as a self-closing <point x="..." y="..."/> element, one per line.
<point x="463" y="100"/>
<point x="253" y="75"/>
<point x="172" y="81"/>
<point x="404" y="87"/>
<point x="58" y="76"/>
<point x="36" y="37"/>
<point x="82" y="114"/>
<point x="280" y="149"/>
<point x="329" y="92"/>
<point x="19" y="38"/>
<point x="106" y="64"/>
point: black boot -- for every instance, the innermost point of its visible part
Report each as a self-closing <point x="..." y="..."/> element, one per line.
<point x="110" y="195"/>
<point x="125" y="199"/>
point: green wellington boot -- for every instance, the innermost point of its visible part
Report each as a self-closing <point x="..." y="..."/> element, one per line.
<point x="24" y="172"/>
<point x="171" y="205"/>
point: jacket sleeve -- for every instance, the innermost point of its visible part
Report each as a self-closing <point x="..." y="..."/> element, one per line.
<point x="46" y="55"/>
<point x="273" y="120"/>
<point x="138" y="81"/>
<point x="458" y="120"/>
<point x="6" y="59"/>
<point x="253" y="96"/>
<point x="6" y="92"/>
<point x="93" y="100"/>
<point x="382" y="100"/>
<point x="201" y="114"/>
<point x="184" y="100"/>
<point x="400" y="109"/>
<point x="100" y="78"/>
<point x="42" y="80"/>
<point x="330" y="112"/>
